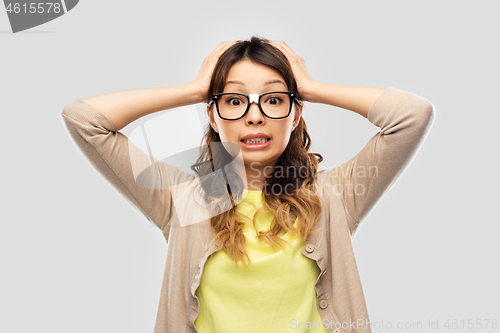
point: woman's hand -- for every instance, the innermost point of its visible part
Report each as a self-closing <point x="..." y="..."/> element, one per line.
<point x="202" y="80"/>
<point x="300" y="72"/>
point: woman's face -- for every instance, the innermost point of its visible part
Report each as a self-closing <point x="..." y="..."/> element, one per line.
<point x="253" y="78"/>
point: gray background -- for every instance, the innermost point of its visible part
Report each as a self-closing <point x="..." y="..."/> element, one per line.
<point x="76" y="257"/>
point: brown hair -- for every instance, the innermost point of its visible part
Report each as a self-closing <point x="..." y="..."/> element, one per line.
<point x="304" y="205"/>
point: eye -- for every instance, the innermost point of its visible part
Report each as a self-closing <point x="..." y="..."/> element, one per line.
<point x="274" y="100"/>
<point x="234" y="101"/>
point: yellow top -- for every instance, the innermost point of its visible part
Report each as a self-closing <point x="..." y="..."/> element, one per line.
<point x="275" y="293"/>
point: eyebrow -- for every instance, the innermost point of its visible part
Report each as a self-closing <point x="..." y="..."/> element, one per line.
<point x="265" y="83"/>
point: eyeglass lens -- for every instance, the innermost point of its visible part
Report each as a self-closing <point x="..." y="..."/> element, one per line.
<point x="275" y="105"/>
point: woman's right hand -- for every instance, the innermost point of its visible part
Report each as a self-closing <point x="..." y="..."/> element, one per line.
<point x="202" y="80"/>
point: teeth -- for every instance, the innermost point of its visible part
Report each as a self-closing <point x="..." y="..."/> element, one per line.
<point x="260" y="140"/>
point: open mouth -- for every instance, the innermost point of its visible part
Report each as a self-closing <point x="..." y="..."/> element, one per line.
<point x="256" y="141"/>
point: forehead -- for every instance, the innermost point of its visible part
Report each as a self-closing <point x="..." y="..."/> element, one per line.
<point x="246" y="73"/>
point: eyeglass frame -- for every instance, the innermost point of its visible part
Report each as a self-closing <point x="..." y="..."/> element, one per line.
<point x="253" y="98"/>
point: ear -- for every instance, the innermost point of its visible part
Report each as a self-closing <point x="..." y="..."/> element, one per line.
<point x="211" y="119"/>
<point x="298" y="116"/>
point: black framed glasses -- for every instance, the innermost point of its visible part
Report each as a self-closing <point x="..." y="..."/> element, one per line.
<point x="234" y="106"/>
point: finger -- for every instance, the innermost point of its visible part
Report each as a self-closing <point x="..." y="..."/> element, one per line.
<point x="279" y="45"/>
<point x="222" y="47"/>
<point x="284" y="46"/>
<point x="286" y="51"/>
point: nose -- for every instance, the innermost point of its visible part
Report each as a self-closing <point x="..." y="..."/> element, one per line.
<point x="254" y="116"/>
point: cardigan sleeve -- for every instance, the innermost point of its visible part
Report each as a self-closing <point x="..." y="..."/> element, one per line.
<point x="404" y="120"/>
<point x="140" y="178"/>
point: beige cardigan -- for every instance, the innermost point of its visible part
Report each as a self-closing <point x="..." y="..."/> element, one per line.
<point x="348" y="192"/>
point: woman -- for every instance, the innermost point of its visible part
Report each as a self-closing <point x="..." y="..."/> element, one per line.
<point x="278" y="257"/>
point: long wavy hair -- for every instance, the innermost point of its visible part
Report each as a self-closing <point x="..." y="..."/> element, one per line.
<point x="298" y="202"/>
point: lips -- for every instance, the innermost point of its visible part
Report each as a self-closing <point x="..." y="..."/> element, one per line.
<point x="250" y="144"/>
<point x="255" y="136"/>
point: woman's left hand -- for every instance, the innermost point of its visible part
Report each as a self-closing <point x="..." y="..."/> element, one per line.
<point x="300" y="72"/>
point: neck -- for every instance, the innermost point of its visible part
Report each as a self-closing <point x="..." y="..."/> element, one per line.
<point x="256" y="173"/>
